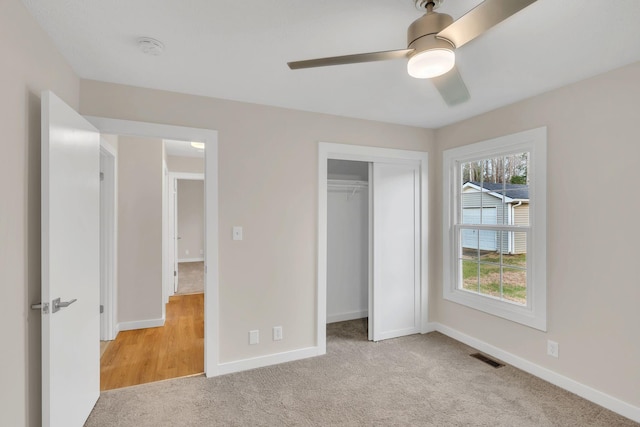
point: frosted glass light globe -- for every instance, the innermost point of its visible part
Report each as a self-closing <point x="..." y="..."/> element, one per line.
<point x="431" y="63"/>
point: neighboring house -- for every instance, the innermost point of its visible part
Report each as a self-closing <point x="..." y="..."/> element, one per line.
<point x="495" y="203"/>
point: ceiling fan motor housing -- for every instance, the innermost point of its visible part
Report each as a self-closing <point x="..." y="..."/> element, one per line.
<point x="421" y="34"/>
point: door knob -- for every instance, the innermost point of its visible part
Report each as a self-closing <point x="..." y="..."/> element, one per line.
<point x="57" y="304"/>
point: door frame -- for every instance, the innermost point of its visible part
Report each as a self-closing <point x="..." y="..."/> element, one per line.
<point x="109" y="241"/>
<point x="360" y="153"/>
<point x="211" y="286"/>
<point x="172" y="197"/>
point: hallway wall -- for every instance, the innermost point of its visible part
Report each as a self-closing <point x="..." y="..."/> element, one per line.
<point x="30" y="64"/>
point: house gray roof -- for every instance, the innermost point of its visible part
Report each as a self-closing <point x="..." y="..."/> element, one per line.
<point x="513" y="191"/>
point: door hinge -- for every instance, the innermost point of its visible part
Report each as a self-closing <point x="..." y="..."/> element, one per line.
<point x="101" y="308"/>
<point x="175" y="273"/>
<point x="101" y="176"/>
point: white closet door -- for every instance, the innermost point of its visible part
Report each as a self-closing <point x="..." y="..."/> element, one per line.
<point x="396" y="250"/>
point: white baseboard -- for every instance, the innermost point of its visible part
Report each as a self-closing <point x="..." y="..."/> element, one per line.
<point x="140" y="324"/>
<point x="201" y="259"/>
<point x="343" y="317"/>
<point x="267" y="360"/>
<point x="614" y="404"/>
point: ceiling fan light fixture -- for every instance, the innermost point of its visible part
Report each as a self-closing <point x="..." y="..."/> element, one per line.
<point x="431" y="63"/>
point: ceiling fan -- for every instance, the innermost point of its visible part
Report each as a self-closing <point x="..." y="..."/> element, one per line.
<point x="431" y="42"/>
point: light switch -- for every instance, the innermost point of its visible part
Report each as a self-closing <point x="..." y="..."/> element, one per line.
<point x="254" y="337"/>
<point x="237" y="232"/>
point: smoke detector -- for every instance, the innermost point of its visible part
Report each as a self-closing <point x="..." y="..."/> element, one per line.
<point x="150" y="46"/>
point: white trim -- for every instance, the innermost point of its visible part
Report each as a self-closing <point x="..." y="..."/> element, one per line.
<point x="361" y="153"/>
<point x="343" y="317"/>
<point x="598" y="397"/>
<point x="267" y="360"/>
<point x="534" y="141"/>
<point x="187" y="175"/>
<point x="370" y="252"/>
<point x="140" y="324"/>
<point x="190" y="260"/>
<point x="171" y="284"/>
<point x="210" y="138"/>
<point x="109" y="240"/>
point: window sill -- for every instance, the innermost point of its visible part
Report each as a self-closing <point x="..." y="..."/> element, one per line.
<point x="513" y="312"/>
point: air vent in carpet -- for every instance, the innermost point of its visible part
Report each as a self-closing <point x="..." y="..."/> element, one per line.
<point x="487" y="360"/>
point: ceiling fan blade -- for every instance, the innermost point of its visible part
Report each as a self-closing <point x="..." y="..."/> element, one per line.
<point x="480" y="19"/>
<point x="452" y="87"/>
<point x="350" y="59"/>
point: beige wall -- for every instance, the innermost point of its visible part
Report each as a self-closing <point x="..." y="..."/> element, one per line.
<point x="268" y="178"/>
<point x="185" y="164"/>
<point x="140" y="175"/>
<point x="593" y="288"/>
<point x="190" y="219"/>
<point x="30" y="64"/>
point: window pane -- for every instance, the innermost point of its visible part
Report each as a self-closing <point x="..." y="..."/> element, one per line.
<point x="517" y="169"/>
<point x="483" y="240"/>
<point x="514" y="272"/>
<point x="469" y="245"/>
<point x="471" y="171"/>
<point x="498" y="189"/>
<point x="470" y="275"/>
<point x="518" y="243"/>
<point x="489" y="279"/>
<point x="502" y="242"/>
<point x="514" y="285"/>
<point x="520" y="212"/>
<point x="499" y="271"/>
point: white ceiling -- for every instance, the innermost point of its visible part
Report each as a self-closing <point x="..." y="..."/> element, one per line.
<point x="181" y="148"/>
<point x="238" y="50"/>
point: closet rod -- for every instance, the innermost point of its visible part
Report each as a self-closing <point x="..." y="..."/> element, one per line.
<point x="342" y="183"/>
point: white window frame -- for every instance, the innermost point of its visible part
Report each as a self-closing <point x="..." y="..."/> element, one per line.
<point x="533" y="141"/>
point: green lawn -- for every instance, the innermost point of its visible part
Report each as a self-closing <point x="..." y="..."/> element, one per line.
<point x="514" y="281"/>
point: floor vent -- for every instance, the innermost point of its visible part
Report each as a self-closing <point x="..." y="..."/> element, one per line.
<point x="487" y="360"/>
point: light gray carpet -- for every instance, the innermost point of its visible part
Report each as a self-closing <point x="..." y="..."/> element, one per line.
<point x="190" y="277"/>
<point x="420" y="380"/>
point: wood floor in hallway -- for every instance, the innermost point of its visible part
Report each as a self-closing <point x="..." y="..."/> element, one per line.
<point x="154" y="354"/>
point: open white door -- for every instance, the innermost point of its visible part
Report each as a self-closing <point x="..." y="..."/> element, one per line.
<point x="174" y="224"/>
<point x="70" y="264"/>
<point x="396" y="250"/>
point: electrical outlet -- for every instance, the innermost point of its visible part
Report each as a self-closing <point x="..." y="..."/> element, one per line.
<point x="254" y="337"/>
<point x="552" y="348"/>
<point x="277" y="333"/>
<point x="186" y="251"/>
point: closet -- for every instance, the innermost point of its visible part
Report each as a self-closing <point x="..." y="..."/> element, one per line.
<point x="347" y="240"/>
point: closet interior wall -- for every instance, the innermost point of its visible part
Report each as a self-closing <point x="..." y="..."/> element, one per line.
<point x="347" y="240"/>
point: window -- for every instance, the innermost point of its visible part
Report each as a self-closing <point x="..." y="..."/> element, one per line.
<point x="494" y="227"/>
